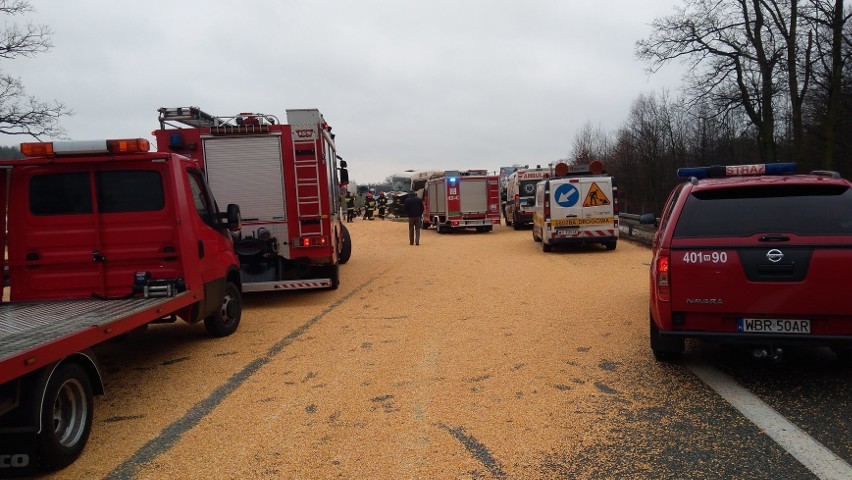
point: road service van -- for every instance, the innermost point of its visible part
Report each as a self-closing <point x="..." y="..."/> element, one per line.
<point x="577" y="205"/>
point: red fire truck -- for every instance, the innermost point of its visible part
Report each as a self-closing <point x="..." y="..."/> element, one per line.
<point x="288" y="182"/>
<point x="102" y="238"/>
<point x="462" y="199"/>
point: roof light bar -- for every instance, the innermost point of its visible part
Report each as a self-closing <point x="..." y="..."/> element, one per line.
<point x="718" y="171"/>
<point x="123" y="145"/>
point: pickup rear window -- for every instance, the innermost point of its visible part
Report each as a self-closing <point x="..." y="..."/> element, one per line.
<point x="117" y="192"/>
<point x="745" y="211"/>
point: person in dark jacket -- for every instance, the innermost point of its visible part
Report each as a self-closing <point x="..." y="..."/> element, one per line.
<point x="350" y="206"/>
<point x="382" y="203"/>
<point x="414" y="209"/>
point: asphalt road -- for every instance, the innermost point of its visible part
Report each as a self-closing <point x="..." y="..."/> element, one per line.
<point x="472" y="355"/>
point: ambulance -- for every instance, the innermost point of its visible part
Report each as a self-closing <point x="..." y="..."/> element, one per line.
<point x="520" y="195"/>
<point x="577" y="205"/>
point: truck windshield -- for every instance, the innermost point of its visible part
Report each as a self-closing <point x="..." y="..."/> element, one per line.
<point x="746" y="211"/>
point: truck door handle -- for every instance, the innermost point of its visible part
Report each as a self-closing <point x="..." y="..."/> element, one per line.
<point x="97" y="256"/>
<point x="200" y="249"/>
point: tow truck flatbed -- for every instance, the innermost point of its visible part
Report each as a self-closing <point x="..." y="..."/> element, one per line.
<point x="27" y="328"/>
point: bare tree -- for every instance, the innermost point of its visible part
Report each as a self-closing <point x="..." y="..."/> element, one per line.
<point x="829" y="20"/>
<point x="735" y="50"/>
<point x="590" y="143"/>
<point x="21" y="114"/>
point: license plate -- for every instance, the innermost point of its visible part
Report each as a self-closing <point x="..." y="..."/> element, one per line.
<point x="773" y="325"/>
<point x="562" y="232"/>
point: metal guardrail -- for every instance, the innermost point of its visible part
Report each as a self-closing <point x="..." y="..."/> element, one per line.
<point x="629" y="225"/>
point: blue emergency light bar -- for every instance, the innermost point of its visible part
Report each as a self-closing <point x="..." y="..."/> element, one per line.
<point x="452" y="176"/>
<point x="719" y="171"/>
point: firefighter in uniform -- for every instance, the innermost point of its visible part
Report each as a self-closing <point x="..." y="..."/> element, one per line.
<point x="350" y="207"/>
<point x="369" y="206"/>
<point x="382" y="202"/>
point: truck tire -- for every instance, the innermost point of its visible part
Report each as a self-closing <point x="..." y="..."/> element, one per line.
<point x="546" y="247"/>
<point x="226" y="320"/>
<point x="66" y="415"/>
<point x="346" y="248"/>
<point x="611" y="245"/>
<point x="664" y="348"/>
<point x="516" y="225"/>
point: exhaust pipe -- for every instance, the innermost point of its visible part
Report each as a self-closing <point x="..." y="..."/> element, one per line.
<point x="776" y="354"/>
<point x="760" y="353"/>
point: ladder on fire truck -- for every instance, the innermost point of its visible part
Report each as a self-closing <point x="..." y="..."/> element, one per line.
<point x="307" y="161"/>
<point x="191" y="116"/>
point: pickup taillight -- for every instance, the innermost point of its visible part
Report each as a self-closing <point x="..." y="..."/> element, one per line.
<point x="662" y="274"/>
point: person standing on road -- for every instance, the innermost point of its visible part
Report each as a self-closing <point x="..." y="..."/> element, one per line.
<point x="350" y="207"/>
<point x="382" y="202"/>
<point x="370" y="206"/>
<point x="414" y="209"/>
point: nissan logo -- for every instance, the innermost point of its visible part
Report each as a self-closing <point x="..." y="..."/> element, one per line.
<point x="774" y="255"/>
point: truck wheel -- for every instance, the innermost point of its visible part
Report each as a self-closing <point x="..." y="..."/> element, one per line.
<point x="66" y="415"/>
<point x="226" y="320"/>
<point x="664" y="348"/>
<point x="516" y="225"/>
<point x="346" y="248"/>
<point x="546" y="247"/>
<point x="611" y="245"/>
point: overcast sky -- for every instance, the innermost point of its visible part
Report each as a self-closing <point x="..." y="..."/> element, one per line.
<point x="429" y="84"/>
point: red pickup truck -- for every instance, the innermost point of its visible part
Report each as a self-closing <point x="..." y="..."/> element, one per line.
<point x="755" y="255"/>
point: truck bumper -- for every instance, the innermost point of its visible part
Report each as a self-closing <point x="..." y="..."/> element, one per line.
<point x="306" y="284"/>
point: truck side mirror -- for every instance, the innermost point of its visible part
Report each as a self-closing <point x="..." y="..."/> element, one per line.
<point x="234" y="218"/>
<point x="648" y="219"/>
<point x="344" y="174"/>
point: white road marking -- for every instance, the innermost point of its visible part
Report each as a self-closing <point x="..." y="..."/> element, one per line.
<point x="821" y="461"/>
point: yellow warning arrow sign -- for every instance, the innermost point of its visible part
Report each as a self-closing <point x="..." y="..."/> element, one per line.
<point x="596" y="197"/>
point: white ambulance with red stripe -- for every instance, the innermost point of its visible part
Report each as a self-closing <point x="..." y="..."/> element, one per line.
<point x="520" y="195"/>
<point x="577" y="205"/>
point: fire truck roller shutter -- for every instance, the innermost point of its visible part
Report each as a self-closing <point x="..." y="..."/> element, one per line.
<point x="239" y="169"/>
<point x="474" y="196"/>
